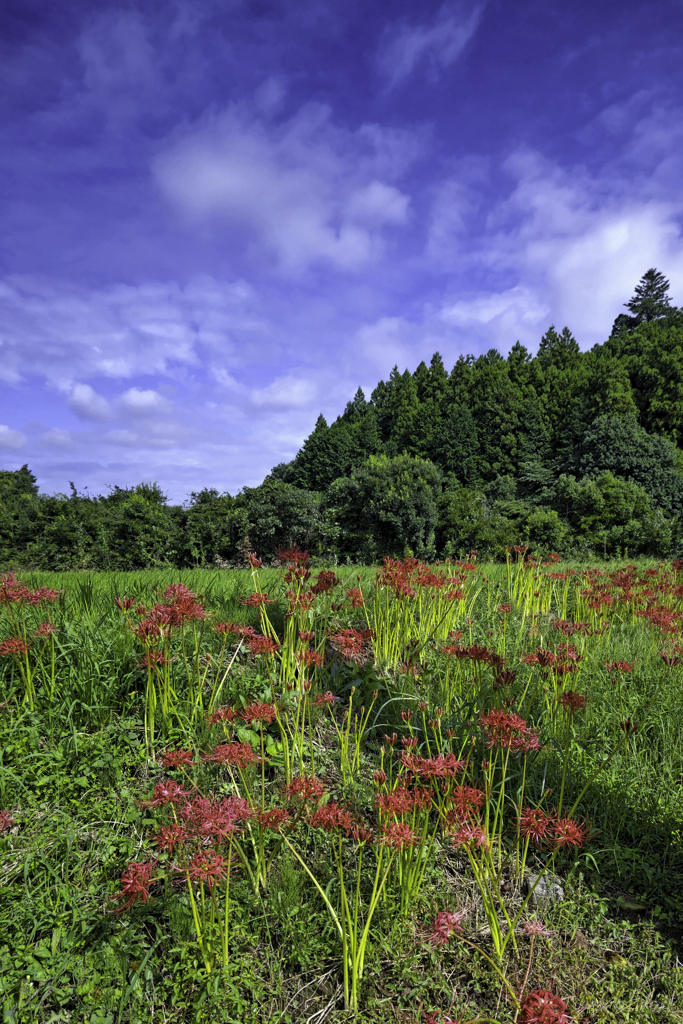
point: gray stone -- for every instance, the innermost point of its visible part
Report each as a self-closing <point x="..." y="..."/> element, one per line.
<point x="548" y="889"/>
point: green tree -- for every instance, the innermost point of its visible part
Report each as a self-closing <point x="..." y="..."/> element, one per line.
<point x="386" y="506"/>
<point x="650" y="302"/>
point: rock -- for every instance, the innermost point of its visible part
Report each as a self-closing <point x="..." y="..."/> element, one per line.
<point x="548" y="888"/>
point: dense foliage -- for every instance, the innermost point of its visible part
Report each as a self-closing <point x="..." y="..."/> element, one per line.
<point x="578" y="452"/>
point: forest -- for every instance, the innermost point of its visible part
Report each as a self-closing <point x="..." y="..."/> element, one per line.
<point x="566" y="451"/>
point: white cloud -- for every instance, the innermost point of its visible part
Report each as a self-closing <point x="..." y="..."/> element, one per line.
<point x="286" y="392"/>
<point x="305" y="190"/>
<point x="87" y="404"/>
<point x="64" y="333"/>
<point x="143" y="401"/>
<point x="437" y="45"/>
<point x="11" y="438"/>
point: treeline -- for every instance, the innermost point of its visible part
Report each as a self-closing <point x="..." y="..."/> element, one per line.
<point x="569" y="451"/>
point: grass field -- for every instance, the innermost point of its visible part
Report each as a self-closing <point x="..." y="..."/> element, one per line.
<point x="289" y="795"/>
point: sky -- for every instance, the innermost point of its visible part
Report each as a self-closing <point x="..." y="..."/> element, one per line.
<point x="219" y="218"/>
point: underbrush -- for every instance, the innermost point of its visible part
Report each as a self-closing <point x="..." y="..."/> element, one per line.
<point x="297" y="795"/>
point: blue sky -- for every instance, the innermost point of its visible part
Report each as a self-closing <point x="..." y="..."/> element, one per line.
<point x="220" y="218"/>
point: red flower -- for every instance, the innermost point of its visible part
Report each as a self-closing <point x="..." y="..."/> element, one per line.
<point x="223" y="715"/>
<point x="325" y="582"/>
<point x="541" y="1007"/>
<point x="238" y="754"/>
<point x="332" y="817"/>
<point x="275" y="818"/>
<point x="305" y="788"/>
<point x="177" y="759"/>
<point x="573" y="702"/>
<point x="168" y="792"/>
<point x="206" y="867"/>
<point x="470" y="834"/>
<point x="6" y="821"/>
<point x="569" y="833"/>
<point x="466" y="801"/>
<point x="310" y="658"/>
<point x="535" y="825"/>
<point x="135" y="883"/>
<point x="125" y="603"/>
<point x="46" y="629"/>
<point x="254" y="562"/>
<point x="355" y="596"/>
<point x="352" y="644"/>
<point x="323" y="699"/>
<point x="261" y="644"/>
<point x="445" y="924"/>
<point x="153" y="659"/>
<point x="256" y="600"/>
<point x="399" y="801"/>
<point x="398" y="835"/>
<point x="170" y="837"/>
<point x="14" y="646"/>
<point x="258" y="713"/>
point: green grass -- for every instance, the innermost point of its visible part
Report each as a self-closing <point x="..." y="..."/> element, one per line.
<point x="74" y="770"/>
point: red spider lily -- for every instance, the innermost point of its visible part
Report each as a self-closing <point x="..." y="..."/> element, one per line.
<point x="293" y="556"/>
<point x="535" y="825"/>
<point x="310" y="658"/>
<point x="223" y="715"/>
<point x="380" y="777"/>
<point x="148" y="631"/>
<point x="240" y="755"/>
<point x="572" y="702"/>
<point x="275" y="818"/>
<point x="135" y="884"/>
<point x="332" y="818"/>
<point x="620" y="666"/>
<point x="154" y="659"/>
<point x="177" y="759"/>
<point x="670" y="660"/>
<point x="124" y="603"/>
<point x="256" y="600"/>
<point x="629" y="725"/>
<point x="167" y="792"/>
<point x="299" y="602"/>
<point x="224" y="627"/>
<point x="305" y="788"/>
<point x="325" y="582"/>
<point x="170" y="837"/>
<point x="503" y="728"/>
<point x="43" y="594"/>
<point x="206" y="866"/>
<point x="567" y="832"/>
<point x="261" y="644"/>
<point x="306" y="636"/>
<point x="470" y="834"/>
<point x="397" y="835"/>
<point x="444" y="926"/>
<point x="6" y="821"/>
<point x="12" y="591"/>
<point x="15" y="646"/>
<point x="353" y="644"/>
<point x="466" y="801"/>
<point x="535" y="928"/>
<point x="254" y="562"/>
<point x="504" y="678"/>
<point x="541" y="1007"/>
<point x="408" y="742"/>
<point x="399" y="801"/>
<point x="406" y="716"/>
<point x="46" y="629"/>
<point x="324" y="700"/>
<point x="258" y="713"/>
<point x="444" y="766"/>
<point x="355" y="596"/>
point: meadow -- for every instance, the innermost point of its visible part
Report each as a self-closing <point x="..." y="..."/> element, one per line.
<point x="302" y="794"/>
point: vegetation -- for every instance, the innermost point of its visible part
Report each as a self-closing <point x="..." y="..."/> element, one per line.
<point x="294" y="795"/>
<point x="578" y="452"/>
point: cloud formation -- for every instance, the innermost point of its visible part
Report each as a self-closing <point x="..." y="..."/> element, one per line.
<point x="433" y="46"/>
<point x="306" y="191"/>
